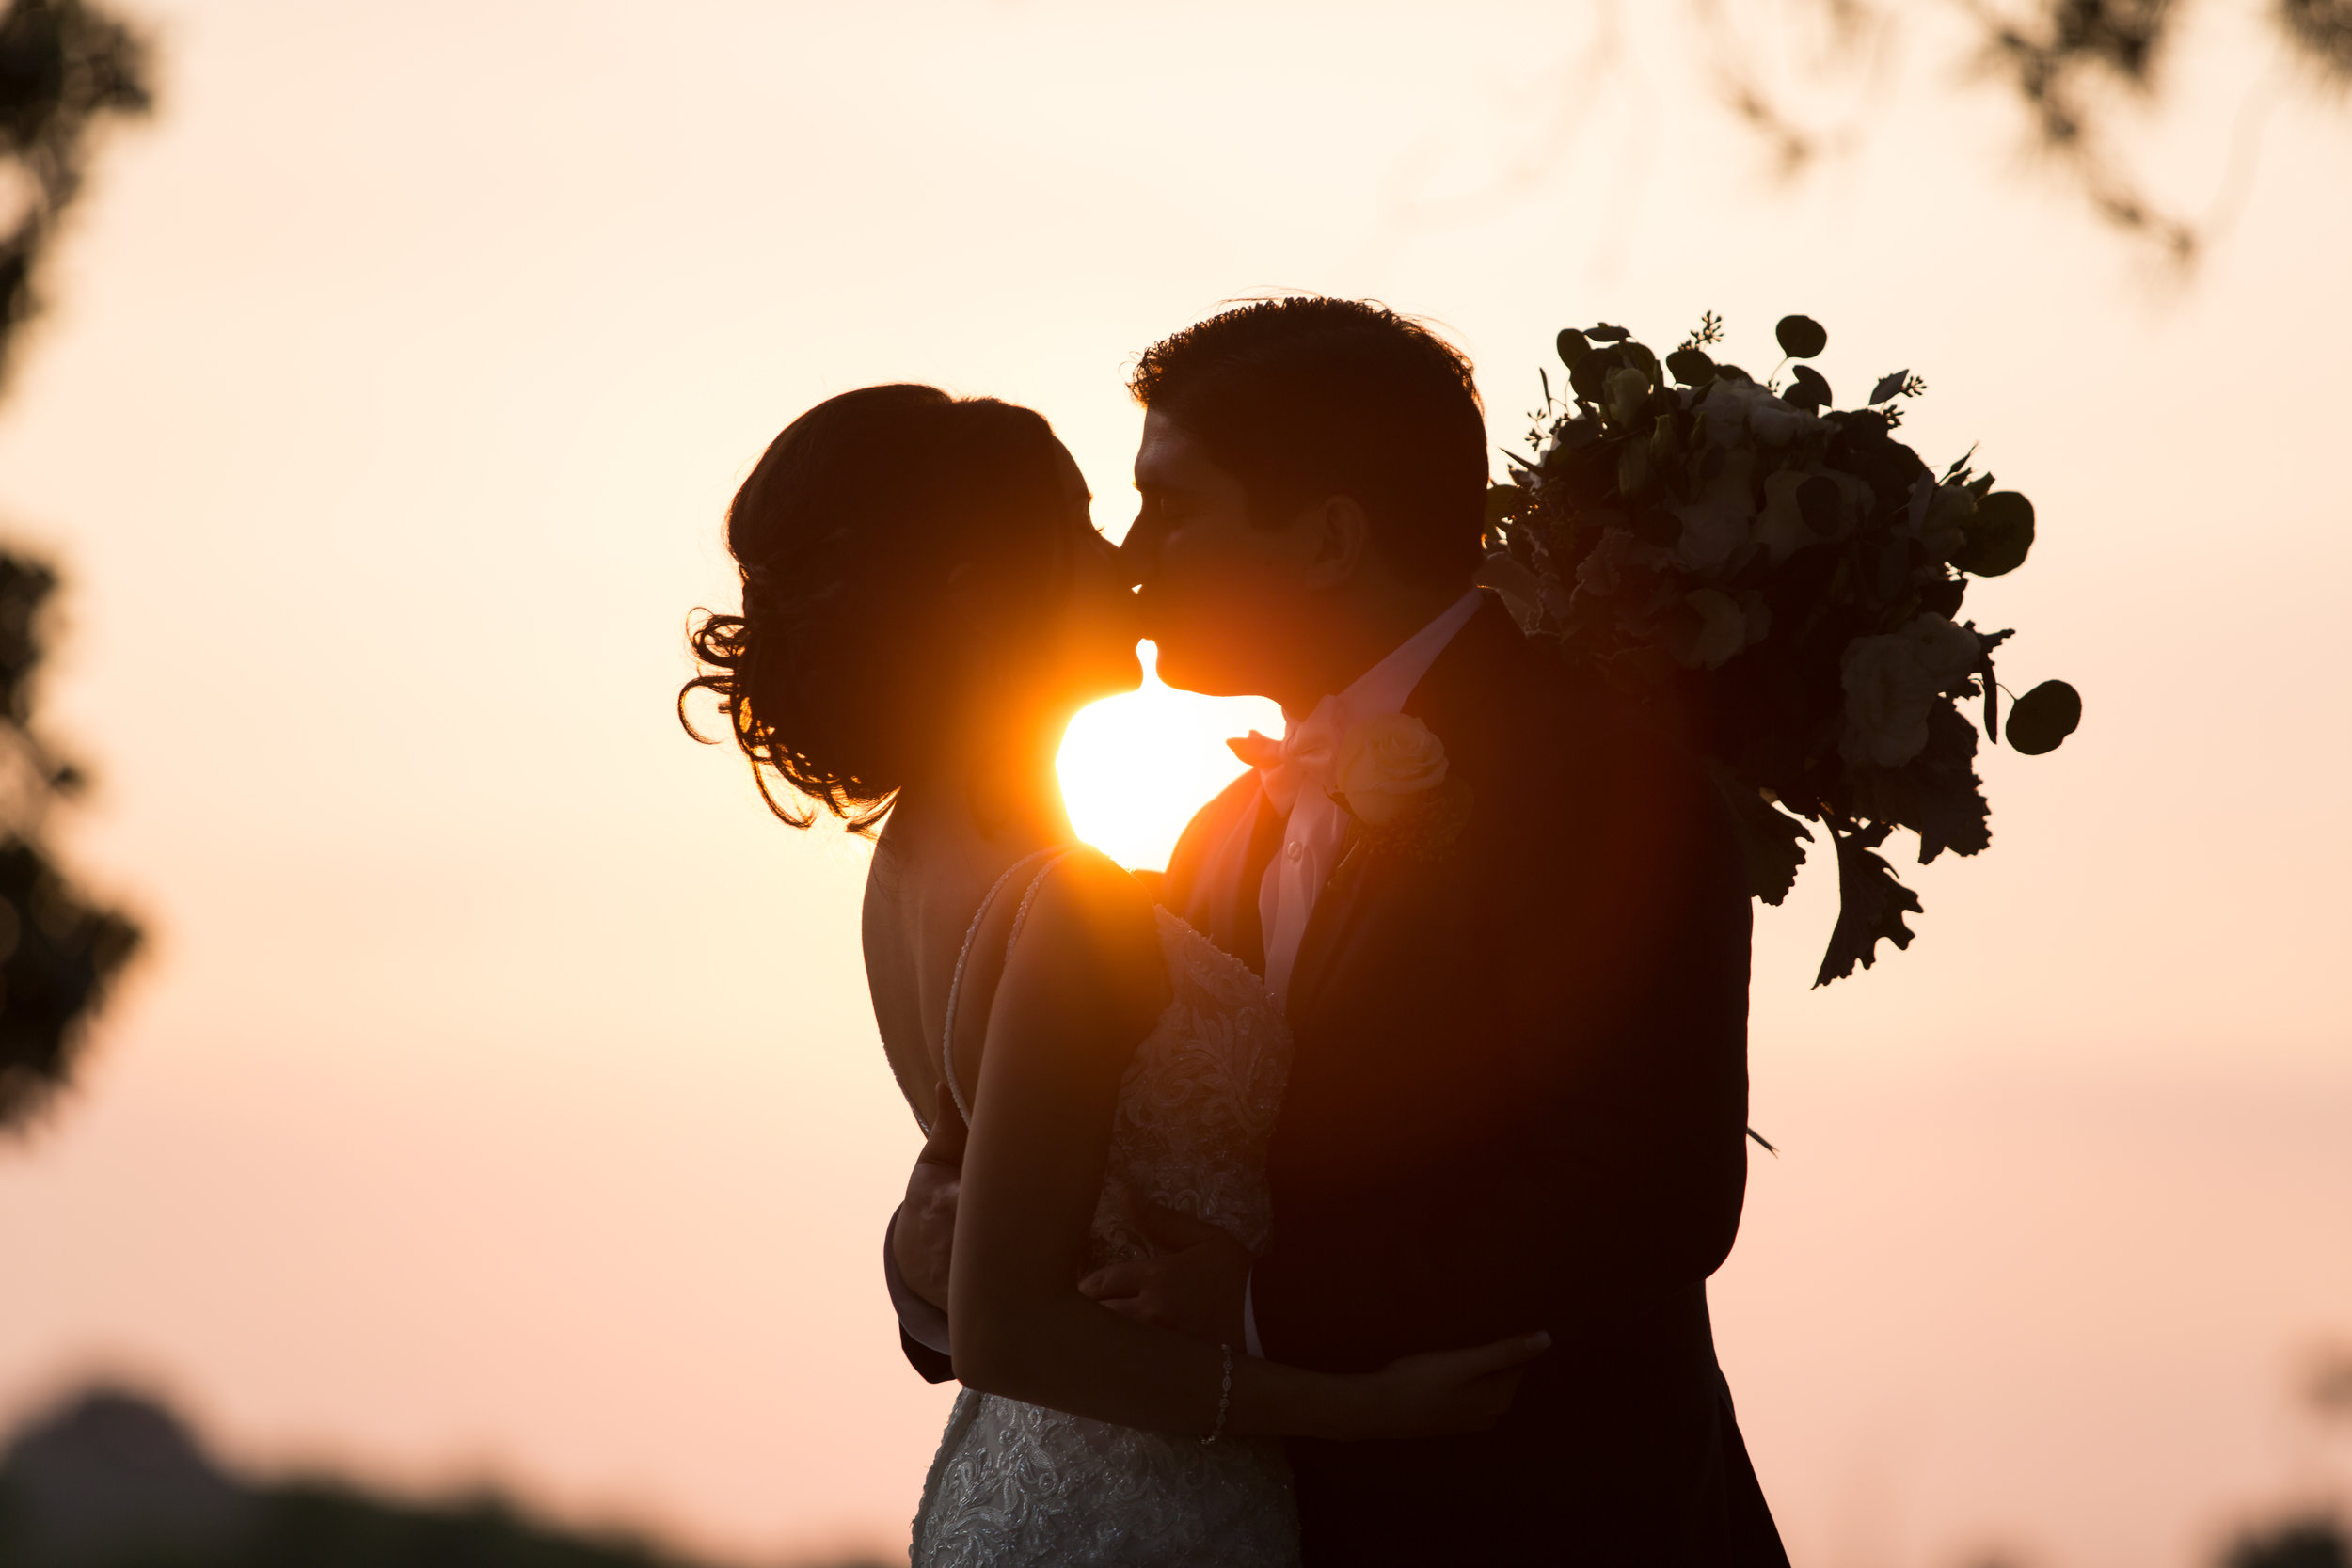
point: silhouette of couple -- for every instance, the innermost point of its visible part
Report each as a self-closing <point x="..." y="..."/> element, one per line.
<point x="1346" y="1193"/>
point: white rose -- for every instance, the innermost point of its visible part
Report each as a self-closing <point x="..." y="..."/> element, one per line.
<point x="1949" y="654"/>
<point x="1886" y="703"/>
<point x="1715" y="525"/>
<point x="1723" y="629"/>
<point x="1892" y="681"/>
<point x="1724" y="408"/>
<point x="1384" y="763"/>
<point x="1777" y="424"/>
<point x="1618" y="552"/>
<point x="1782" y="529"/>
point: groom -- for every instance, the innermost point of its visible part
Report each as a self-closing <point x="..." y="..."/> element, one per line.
<point x="1511" y="935"/>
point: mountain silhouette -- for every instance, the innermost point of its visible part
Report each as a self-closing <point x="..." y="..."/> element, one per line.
<point x="113" y="1478"/>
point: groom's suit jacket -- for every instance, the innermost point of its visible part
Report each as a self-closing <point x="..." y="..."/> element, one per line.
<point x="1518" y="1099"/>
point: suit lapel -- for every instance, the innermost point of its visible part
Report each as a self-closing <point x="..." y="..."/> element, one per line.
<point x="1219" y="893"/>
<point x="1450" y="700"/>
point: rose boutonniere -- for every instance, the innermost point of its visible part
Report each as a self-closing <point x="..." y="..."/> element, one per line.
<point x="1391" y="776"/>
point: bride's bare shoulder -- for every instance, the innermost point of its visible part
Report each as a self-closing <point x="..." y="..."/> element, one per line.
<point x="1090" y="933"/>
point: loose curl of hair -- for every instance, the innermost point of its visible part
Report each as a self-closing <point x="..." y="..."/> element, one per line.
<point x="847" y="664"/>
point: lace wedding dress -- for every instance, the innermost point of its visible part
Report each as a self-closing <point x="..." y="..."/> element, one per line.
<point x="1014" y="1485"/>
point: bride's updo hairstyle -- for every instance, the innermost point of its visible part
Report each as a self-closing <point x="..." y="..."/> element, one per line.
<point x="851" y="658"/>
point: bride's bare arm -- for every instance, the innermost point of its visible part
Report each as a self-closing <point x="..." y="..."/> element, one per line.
<point x="1082" y="986"/>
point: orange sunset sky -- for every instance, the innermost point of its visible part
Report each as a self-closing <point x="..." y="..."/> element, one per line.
<point x="499" y="1096"/>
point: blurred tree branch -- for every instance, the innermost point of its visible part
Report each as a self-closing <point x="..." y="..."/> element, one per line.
<point x="2070" y="65"/>
<point x="64" y="67"/>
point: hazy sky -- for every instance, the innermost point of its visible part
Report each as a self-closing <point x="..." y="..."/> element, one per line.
<point x="499" y="1094"/>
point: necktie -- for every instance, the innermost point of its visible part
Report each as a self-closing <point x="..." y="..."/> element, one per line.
<point x="1303" y="757"/>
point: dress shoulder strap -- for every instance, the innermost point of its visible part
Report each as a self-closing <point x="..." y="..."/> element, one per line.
<point x="1051" y="858"/>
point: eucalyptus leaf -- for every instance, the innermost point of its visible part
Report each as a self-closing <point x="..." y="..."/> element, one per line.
<point x="1808" y="388"/>
<point x="1588" y="375"/>
<point x="1800" y="336"/>
<point x="1690" y="367"/>
<point x="1997" y="537"/>
<point x="1572" y="346"/>
<point x="1604" y="333"/>
<point x="2045" y="717"/>
<point x="1888" y="387"/>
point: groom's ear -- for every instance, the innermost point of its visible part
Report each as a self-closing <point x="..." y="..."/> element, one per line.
<point x="1338" y="536"/>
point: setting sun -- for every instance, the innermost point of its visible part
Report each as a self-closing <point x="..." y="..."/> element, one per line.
<point x="1135" y="768"/>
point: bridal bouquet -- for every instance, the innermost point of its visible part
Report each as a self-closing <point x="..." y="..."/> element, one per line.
<point x="1792" y="575"/>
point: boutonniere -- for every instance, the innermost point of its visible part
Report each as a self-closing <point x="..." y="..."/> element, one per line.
<point x="1392" y="778"/>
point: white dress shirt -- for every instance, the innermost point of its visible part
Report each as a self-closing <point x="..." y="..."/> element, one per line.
<point x="1316" y="826"/>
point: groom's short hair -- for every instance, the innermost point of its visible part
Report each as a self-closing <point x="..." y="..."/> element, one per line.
<point x="1304" y="397"/>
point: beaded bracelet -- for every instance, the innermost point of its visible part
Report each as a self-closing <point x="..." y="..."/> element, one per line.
<point x="1224" y="1399"/>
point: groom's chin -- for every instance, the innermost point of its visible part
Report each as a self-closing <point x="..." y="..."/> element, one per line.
<point x="1209" y="685"/>
<point x="1187" y="674"/>
<point x="1209" y="660"/>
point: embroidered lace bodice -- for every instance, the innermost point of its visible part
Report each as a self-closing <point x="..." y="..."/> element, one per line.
<point x="1017" y="1485"/>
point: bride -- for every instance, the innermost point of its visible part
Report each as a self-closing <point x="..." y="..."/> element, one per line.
<point x="925" y="603"/>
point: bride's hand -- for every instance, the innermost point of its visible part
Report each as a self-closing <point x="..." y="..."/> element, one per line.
<point x="1447" y="1393"/>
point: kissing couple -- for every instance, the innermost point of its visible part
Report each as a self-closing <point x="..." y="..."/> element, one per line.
<point x="1346" y="1193"/>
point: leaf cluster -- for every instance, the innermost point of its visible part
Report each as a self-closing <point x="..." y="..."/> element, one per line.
<point x="58" y="950"/>
<point x="64" y="67"/>
<point x="1785" y="578"/>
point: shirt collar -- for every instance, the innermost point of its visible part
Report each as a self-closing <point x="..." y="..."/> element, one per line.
<point x="1384" y="688"/>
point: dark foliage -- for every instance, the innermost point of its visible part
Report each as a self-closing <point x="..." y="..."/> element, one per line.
<point x="63" y="67"/>
<point x="59" y="949"/>
<point x="2318" y="1542"/>
<point x="1782" y="576"/>
<point x="112" y="1479"/>
<point x="2069" y="65"/>
<point x="326" y="1525"/>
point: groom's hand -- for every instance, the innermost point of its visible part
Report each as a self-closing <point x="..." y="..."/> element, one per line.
<point x="1193" y="1287"/>
<point x="924" y="1237"/>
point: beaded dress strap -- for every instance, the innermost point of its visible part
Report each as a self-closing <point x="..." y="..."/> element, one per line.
<point x="955" y="981"/>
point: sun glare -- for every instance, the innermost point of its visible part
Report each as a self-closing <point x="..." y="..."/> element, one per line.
<point x="1135" y="767"/>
